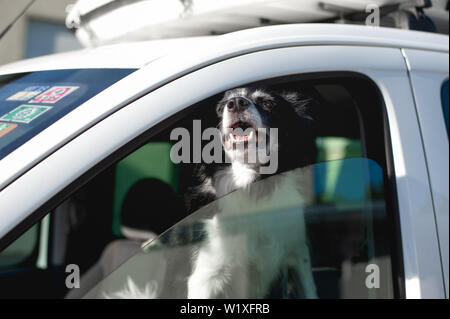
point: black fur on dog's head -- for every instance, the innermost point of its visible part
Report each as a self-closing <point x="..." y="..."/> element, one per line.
<point x="263" y="108"/>
<point x="253" y="108"/>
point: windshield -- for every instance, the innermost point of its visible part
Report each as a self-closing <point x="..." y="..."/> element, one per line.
<point x="292" y="235"/>
<point x="31" y="102"/>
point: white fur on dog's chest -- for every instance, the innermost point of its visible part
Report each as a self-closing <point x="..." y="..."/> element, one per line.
<point x="236" y="176"/>
<point x="270" y="219"/>
<point x="262" y="196"/>
<point x="257" y="231"/>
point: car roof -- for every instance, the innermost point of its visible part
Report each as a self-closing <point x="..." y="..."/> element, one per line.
<point x="139" y="54"/>
<point x="160" y="62"/>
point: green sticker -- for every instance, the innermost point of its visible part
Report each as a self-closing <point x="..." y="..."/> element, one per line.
<point x="25" y="113"/>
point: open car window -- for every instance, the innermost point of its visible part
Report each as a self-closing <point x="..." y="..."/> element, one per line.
<point x="339" y="205"/>
<point x="31" y="102"/>
<point x="337" y="212"/>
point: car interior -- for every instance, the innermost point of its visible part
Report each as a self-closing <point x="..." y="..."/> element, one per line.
<point x="105" y="221"/>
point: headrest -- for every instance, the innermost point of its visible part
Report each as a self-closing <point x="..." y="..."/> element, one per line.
<point x="150" y="207"/>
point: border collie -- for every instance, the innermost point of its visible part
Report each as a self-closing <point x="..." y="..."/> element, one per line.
<point x="246" y="117"/>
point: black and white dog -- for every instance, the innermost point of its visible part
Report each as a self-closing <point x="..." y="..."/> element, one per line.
<point x="246" y="267"/>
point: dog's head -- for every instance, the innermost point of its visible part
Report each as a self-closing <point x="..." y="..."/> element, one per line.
<point x="254" y="118"/>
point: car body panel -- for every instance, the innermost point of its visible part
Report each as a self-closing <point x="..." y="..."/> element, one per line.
<point x="423" y="277"/>
<point x="128" y="55"/>
<point x="428" y="71"/>
<point x="133" y="55"/>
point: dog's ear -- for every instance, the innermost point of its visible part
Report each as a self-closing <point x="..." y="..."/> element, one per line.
<point x="300" y="103"/>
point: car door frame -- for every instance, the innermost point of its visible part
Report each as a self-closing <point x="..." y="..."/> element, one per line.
<point x="428" y="71"/>
<point x="421" y="262"/>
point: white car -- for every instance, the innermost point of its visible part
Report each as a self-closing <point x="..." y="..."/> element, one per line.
<point x="81" y="132"/>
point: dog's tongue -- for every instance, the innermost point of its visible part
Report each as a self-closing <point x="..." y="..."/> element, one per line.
<point x="240" y="137"/>
<point x="241" y="125"/>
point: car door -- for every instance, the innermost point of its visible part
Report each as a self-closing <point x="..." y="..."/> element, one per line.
<point x="429" y="78"/>
<point x="419" y="269"/>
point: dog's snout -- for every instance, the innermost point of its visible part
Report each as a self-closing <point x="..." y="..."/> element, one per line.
<point x="237" y="104"/>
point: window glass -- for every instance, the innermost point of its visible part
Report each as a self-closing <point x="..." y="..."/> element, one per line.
<point x="20" y="250"/>
<point x="444" y="95"/>
<point x="348" y="241"/>
<point x="31" y="102"/>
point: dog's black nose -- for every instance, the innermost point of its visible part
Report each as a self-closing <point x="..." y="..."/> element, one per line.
<point x="237" y="104"/>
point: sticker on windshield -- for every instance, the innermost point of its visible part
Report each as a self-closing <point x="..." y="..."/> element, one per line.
<point x="25" y="113"/>
<point x="5" y="128"/>
<point x="54" y="94"/>
<point x="27" y="93"/>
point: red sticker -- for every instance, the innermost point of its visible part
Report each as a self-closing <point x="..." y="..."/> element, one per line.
<point x="54" y="94"/>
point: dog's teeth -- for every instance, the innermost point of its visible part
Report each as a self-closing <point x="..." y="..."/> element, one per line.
<point x="231" y="136"/>
<point x="251" y="135"/>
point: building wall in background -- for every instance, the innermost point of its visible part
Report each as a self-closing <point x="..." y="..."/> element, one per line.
<point x="48" y="37"/>
<point x="40" y="31"/>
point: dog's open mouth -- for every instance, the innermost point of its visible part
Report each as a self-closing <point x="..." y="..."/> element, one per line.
<point x="241" y="132"/>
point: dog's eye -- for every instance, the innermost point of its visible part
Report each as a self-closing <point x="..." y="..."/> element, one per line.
<point x="268" y="104"/>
